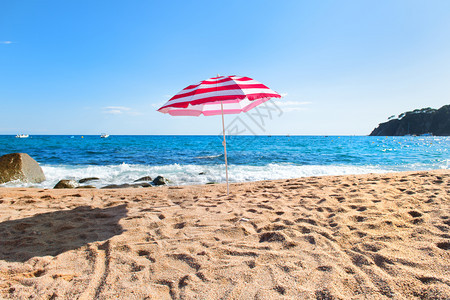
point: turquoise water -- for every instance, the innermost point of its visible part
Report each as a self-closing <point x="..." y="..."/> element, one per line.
<point x="120" y="159"/>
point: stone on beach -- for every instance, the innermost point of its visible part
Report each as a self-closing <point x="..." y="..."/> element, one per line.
<point x="86" y="187"/>
<point x="88" y="179"/>
<point x="117" y="186"/>
<point x="20" y="166"/>
<point x="66" y="184"/>
<point x="127" y="185"/>
<point x="160" y="181"/>
<point x="145" y="178"/>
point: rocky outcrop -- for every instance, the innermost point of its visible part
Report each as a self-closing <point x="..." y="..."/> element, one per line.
<point x="66" y="184"/>
<point x="417" y="122"/>
<point x="20" y="166"/>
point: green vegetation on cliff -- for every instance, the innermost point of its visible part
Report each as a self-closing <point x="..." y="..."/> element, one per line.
<point x="417" y="122"/>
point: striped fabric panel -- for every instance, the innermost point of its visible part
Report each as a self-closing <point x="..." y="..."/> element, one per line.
<point x="222" y="89"/>
<point x="215" y="109"/>
<point x="219" y="80"/>
<point x="222" y="82"/>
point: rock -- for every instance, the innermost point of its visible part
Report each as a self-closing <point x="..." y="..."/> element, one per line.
<point x="417" y="122"/>
<point x="127" y="185"/>
<point x="86" y="187"/>
<point x="66" y="184"/>
<point x="145" y="178"/>
<point x="160" y="181"/>
<point x="20" y="166"/>
<point x="117" y="186"/>
<point x="88" y="179"/>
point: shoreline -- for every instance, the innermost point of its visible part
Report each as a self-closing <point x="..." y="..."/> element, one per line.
<point x="131" y="181"/>
<point x="372" y="235"/>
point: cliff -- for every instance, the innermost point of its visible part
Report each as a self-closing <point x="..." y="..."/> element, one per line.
<point x="417" y="122"/>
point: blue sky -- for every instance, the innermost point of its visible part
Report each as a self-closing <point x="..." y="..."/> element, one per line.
<point x="86" y="67"/>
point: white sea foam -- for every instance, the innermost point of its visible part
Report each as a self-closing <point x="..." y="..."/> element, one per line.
<point x="197" y="174"/>
<point x="209" y="156"/>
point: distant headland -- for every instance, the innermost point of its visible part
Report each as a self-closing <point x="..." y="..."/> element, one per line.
<point x="425" y="121"/>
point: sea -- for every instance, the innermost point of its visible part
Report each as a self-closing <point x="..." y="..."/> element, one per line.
<point x="191" y="160"/>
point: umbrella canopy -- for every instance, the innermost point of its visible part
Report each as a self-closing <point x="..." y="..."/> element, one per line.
<point x="219" y="95"/>
<point x="235" y="93"/>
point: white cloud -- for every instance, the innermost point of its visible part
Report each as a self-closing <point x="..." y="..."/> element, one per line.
<point x="116" y="110"/>
<point x="6" y="42"/>
<point x="113" y="112"/>
<point x="288" y="106"/>
<point x="120" y="110"/>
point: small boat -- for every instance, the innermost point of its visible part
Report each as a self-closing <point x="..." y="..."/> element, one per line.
<point x="426" y="134"/>
<point x="22" y="136"/>
<point x="104" y="135"/>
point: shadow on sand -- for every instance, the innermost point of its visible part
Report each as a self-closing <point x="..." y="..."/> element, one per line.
<point x="56" y="232"/>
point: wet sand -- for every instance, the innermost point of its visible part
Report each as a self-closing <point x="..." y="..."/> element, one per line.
<point x="375" y="236"/>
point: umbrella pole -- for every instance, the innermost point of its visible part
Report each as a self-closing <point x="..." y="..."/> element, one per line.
<point x="225" y="148"/>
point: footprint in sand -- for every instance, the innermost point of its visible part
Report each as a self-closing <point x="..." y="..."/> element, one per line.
<point x="428" y="280"/>
<point x="272" y="237"/>
<point x="189" y="260"/>
<point x="340" y="199"/>
<point x="306" y="220"/>
<point x="265" y="206"/>
<point x="146" y="254"/>
<point x="443" y="245"/>
<point x="415" y="214"/>
<point x="332" y="224"/>
<point x="180" y="225"/>
<point x="325" y="268"/>
<point x="321" y="201"/>
<point x="372" y="247"/>
<point x="360" y="219"/>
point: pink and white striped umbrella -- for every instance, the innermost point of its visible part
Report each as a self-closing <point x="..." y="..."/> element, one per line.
<point x="235" y="93"/>
<point x="219" y="95"/>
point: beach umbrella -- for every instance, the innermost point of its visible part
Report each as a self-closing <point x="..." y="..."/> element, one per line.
<point x="219" y="95"/>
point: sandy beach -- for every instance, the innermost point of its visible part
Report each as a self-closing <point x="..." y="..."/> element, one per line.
<point x="374" y="236"/>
